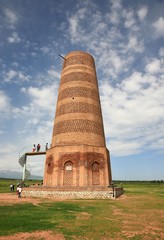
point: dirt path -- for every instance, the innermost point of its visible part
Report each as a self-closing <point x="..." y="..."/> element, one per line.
<point x="10" y="198"/>
<point x="42" y="235"/>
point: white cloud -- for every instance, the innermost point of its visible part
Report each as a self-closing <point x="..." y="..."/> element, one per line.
<point x="159" y="27"/>
<point x="158" y="144"/>
<point x="129" y="18"/>
<point x="14" y="38"/>
<point x="135" y="45"/>
<point x="116" y="4"/>
<point x="113" y="53"/>
<point x="45" y="50"/>
<point x="7" y="110"/>
<point x="142" y="12"/>
<point x="42" y="98"/>
<point x="10" y="75"/>
<point x="22" y="76"/>
<point x="161" y="52"/>
<point x="9" y="147"/>
<point x="124" y="148"/>
<point x="153" y="66"/>
<point x="116" y="61"/>
<point x="73" y="28"/>
<point x="53" y="74"/>
<point x="16" y="75"/>
<point x="23" y="89"/>
<point x="4" y="103"/>
<point x="11" y="16"/>
<point x="114" y="15"/>
<point x="132" y="112"/>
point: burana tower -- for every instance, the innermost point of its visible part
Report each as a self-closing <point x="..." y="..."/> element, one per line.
<point x="78" y="156"/>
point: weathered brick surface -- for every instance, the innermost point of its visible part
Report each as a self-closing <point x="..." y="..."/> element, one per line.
<point x="78" y="107"/>
<point x="78" y="155"/>
<point x="78" y="125"/>
<point x="77" y="76"/>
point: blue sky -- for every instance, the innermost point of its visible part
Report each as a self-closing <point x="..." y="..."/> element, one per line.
<point x="126" y="39"/>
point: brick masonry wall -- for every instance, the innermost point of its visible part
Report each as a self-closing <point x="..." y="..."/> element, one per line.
<point x="78" y="154"/>
<point x="78" y="105"/>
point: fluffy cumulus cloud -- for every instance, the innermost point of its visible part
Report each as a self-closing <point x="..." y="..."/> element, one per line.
<point x="129" y="18"/>
<point x="5" y="106"/>
<point x="11" y="16"/>
<point x="134" y="116"/>
<point x="103" y="33"/>
<point x="153" y="66"/>
<point x="142" y="12"/>
<point x="14" y="38"/>
<point x="159" y="27"/>
<point x="43" y="98"/>
<point x="15" y="76"/>
<point x="134" y="44"/>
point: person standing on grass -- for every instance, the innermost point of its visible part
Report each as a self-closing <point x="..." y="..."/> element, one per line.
<point x="19" y="191"/>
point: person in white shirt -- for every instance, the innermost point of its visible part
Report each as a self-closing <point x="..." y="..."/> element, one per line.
<point x="19" y="189"/>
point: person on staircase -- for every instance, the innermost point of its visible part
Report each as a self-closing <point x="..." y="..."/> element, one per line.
<point x="34" y="148"/>
<point x="46" y="147"/>
<point x="38" y="147"/>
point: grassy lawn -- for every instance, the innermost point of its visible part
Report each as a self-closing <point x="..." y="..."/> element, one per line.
<point x="136" y="215"/>
<point x="5" y="184"/>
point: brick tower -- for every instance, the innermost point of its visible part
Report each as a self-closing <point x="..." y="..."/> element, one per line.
<point x="78" y="156"/>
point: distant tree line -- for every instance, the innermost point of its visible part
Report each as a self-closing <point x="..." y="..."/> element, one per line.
<point x="138" y="181"/>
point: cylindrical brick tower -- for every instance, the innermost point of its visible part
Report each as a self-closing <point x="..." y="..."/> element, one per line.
<point x="78" y="156"/>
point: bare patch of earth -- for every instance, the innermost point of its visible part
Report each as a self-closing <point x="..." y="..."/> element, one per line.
<point x="146" y="224"/>
<point x="10" y="198"/>
<point x="39" y="235"/>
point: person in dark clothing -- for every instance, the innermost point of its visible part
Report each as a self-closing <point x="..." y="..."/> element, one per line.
<point x="38" y="147"/>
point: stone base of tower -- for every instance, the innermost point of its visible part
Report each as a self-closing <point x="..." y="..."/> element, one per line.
<point x="73" y="192"/>
<point x="77" y="166"/>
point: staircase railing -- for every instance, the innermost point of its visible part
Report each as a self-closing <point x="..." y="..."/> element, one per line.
<point x="22" y="162"/>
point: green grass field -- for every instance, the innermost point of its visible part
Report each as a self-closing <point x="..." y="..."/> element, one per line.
<point x="5" y="184"/>
<point x="136" y="215"/>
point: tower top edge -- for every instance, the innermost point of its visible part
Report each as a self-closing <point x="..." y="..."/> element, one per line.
<point x="78" y="52"/>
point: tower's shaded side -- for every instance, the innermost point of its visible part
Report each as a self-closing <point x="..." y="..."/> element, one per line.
<point x="78" y="155"/>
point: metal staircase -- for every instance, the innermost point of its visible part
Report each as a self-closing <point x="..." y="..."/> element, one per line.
<point x="23" y="161"/>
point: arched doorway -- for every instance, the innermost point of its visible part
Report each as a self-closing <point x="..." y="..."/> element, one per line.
<point x="68" y="174"/>
<point x="95" y="173"/>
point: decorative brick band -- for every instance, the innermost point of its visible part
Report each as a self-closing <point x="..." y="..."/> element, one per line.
<point x="78" y="59"/>
<point x="78" y="125"/>
<point x="78" y="76"/>
<point x="78" y="92"/>
<point x="78" y="107"/>
<point x="79" y="68"/>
